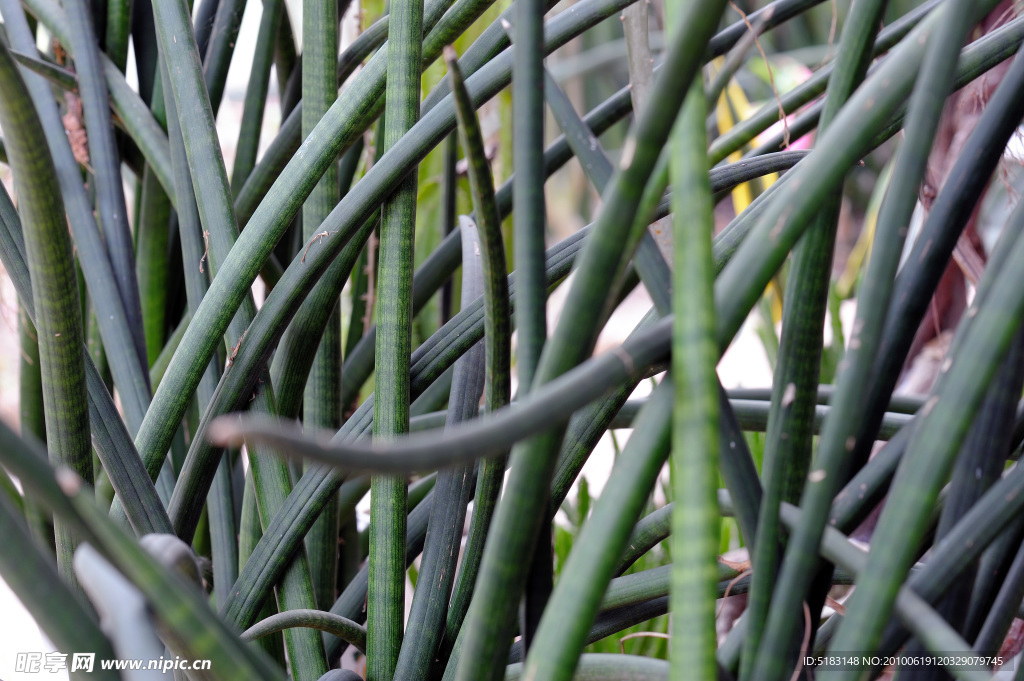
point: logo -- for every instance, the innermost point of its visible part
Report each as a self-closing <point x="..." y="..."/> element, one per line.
<point x="83" y="662"/>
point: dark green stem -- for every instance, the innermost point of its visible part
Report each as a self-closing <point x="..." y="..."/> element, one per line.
<point x="322" y="396"/>
<point x="58" y="316"/>
<point x="386" y="598"/>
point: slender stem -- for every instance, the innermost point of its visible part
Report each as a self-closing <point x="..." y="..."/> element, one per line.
<point x="521" y="512"/>
<point x="322" y="396"/>
<point x="339" y="127"/>
<point x="187" y="90"/>
<point x="576" y="599"/>
<point x="787" y="455"/>
<point x="497" y="338"/>
<point x="840" y="434"/>
<point x="256" y="95"/>
<point x="103" y="156"/>
<point x="528" y="209"/>
<point x="28" y="568"/>
<point x="346" y="629"/>
<point x="110" y="437"/>
<point x="193" y="250"/>
<point x="449" y="216"/>
<point x="152" y="241"/>
<point x="528" y="224"/>
<point x="450" y="495"/>
<point x="386" y="597"/>
<point x="180" y="606"/>
<point x="58" y="316"/>
<point x="217" y="57"/>
<point x="205" y="15"/>
<point x="249" y="533"/>
<point x="31" y="419"/>
<point x="695" y="417"/>
<point x="946" y="417"/>
<point x="119" y="14"/>
<point x="112" y="319"/>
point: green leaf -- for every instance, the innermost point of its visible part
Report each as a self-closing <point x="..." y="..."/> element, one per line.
<point x="787" y="455"/>
<point x="385" y="606"/>
<point x="196" y="632"/>
<point x="576" y="598"/>
<point x="54" y="285"/>
<point x="694" y="383"/>
<point x="322" y="395"/>
<point x="345" y="629"/>
<point x="61" y="615"/>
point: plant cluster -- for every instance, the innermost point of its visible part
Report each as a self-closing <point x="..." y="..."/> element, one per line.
<point x="208" y="512"/>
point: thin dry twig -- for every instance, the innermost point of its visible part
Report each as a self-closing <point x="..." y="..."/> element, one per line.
<point x="835" y="605"/>
<point x="320" y="236"/>
<point x="771" y="77"/>
<point x="738" y="566"/>
<point x="640" y="634"/>
<point x="968" y="260"/>
<point x="75" y="129"/>
<point x="804" y="645"/>
<point x="234" y="350"/>
<point x="371" y="272"/>
<point x="728" y="589"/>
<point x="206" y="238"/>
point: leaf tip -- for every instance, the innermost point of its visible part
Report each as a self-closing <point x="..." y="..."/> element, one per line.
<point x="224" y="432"/>
<point x="68" y="481"/>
